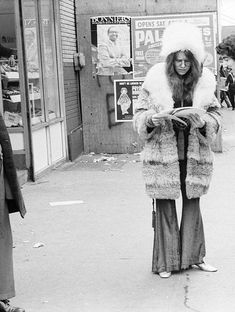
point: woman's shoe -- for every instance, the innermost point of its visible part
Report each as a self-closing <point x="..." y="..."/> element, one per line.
<point x="165" y="274"/>
<point x="206" y="267"/>
<point x="6" y="307"/>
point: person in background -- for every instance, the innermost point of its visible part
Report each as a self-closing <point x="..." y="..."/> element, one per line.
<point x="11" y="200"/>
<point x="111" y="56"/>
<point x="226" y="49"/>
<point x="224" y="95"/>
<point x="177" y="158"/>
<point x="8" y="53"/>
<point x="230" y="84"/>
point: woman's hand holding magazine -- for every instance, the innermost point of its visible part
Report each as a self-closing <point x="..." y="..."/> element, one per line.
<point x="165" y="115"/>
<point x="191" y="113"/>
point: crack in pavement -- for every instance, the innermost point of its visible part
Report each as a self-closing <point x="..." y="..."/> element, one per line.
<point x="186" y="294"/>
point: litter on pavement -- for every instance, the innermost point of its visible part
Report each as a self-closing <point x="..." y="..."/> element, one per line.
<point x="65" y="203"/>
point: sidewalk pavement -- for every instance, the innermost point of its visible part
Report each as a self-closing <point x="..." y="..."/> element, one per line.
<point x="95" y="255"/>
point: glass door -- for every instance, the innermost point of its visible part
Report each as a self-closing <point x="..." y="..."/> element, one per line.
<point x="50" y="78"/>
<point x="32" y="48"/>
<point x="47" y="122"/>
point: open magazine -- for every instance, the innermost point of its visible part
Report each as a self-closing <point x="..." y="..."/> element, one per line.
<point x="178" y="113"/>
<point x="185" y="111"/>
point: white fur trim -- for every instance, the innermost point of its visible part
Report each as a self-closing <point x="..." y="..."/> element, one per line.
<point x="157" y="85"/>
<point x="205" y="89"/>
<point x="183" y="36"/>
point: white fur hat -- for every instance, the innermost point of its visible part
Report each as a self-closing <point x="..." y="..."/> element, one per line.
<point x="183" y="36"/>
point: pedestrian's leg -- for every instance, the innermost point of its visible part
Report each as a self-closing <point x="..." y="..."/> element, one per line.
<point x="191" y="227"/>
<point x="231" y="98"/>
<point x="166" y="256"/>
<point x="226" y="99"/>
<point x="191" y="233"/>
<point x="222" y="97"/>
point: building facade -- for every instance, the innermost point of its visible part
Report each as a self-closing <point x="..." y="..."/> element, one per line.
<point x="39" y="95"/>
<point x="54" y="100"/>
<point x="105" y="129"/>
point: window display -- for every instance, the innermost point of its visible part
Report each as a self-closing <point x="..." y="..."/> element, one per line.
<point x="51" y="93"/>
<point x="40" y="49"/>
<point x="11" y="92"/>
<point x="10" y="86"/>
<point x="31" y="35"/>
<point x="29" y="88"/>
<point x="44" y="95"/>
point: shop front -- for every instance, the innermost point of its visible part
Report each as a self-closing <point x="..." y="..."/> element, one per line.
<point x="31" y="91"/>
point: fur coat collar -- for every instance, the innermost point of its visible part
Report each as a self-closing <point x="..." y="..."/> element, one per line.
<point x="157" y="85"/>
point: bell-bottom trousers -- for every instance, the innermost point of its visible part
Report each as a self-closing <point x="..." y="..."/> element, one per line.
<point x="177" y="248"/>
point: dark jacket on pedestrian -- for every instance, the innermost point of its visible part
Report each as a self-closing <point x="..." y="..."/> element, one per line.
<point x="14" y="196"/>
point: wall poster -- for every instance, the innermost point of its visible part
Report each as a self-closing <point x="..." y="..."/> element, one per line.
<point x="126" y="94"/>
<point x="111" y="45"/>
<point x="147" y="33"/>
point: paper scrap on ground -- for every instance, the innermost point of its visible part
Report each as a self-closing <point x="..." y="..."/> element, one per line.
<point x="104" y="158"/>
<point x="38" y="245"/>
<point x="65" y="203"/>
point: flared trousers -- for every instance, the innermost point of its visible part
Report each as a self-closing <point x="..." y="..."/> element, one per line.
<point x="175" y="247"/>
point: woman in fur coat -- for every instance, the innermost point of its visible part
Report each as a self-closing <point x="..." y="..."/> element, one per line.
<point x="177" y="157"/>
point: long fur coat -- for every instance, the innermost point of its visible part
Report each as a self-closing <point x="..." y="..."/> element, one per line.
<point x="160" y="154"/>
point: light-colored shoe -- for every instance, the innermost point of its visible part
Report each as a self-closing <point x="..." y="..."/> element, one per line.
<point x="6" y="307"/>
<point x="206" y="267"/>
<point x="165" y="274"/>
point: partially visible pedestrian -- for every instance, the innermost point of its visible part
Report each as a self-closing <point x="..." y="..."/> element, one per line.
<point x="226" y="49"/>
<point x="177" y="158"/>
<point x="224" y="95"/>
<point x="230" y="83"/>
<point x="11" y="200"/>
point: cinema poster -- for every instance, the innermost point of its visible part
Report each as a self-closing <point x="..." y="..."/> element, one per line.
<point x="147" y="32"/>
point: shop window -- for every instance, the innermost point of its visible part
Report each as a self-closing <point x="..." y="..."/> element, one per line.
<point x="31" y="35"/>
<point x="10" y="97"/>
<point x="49" y="60"/>
<point x="41" y="63"/>
<point x="41" y="60"/>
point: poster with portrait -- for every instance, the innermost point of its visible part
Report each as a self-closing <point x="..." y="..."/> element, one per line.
<point x="147" y="34"/>
<point x="111" y="45"/>
<point x="126" y="94"/>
